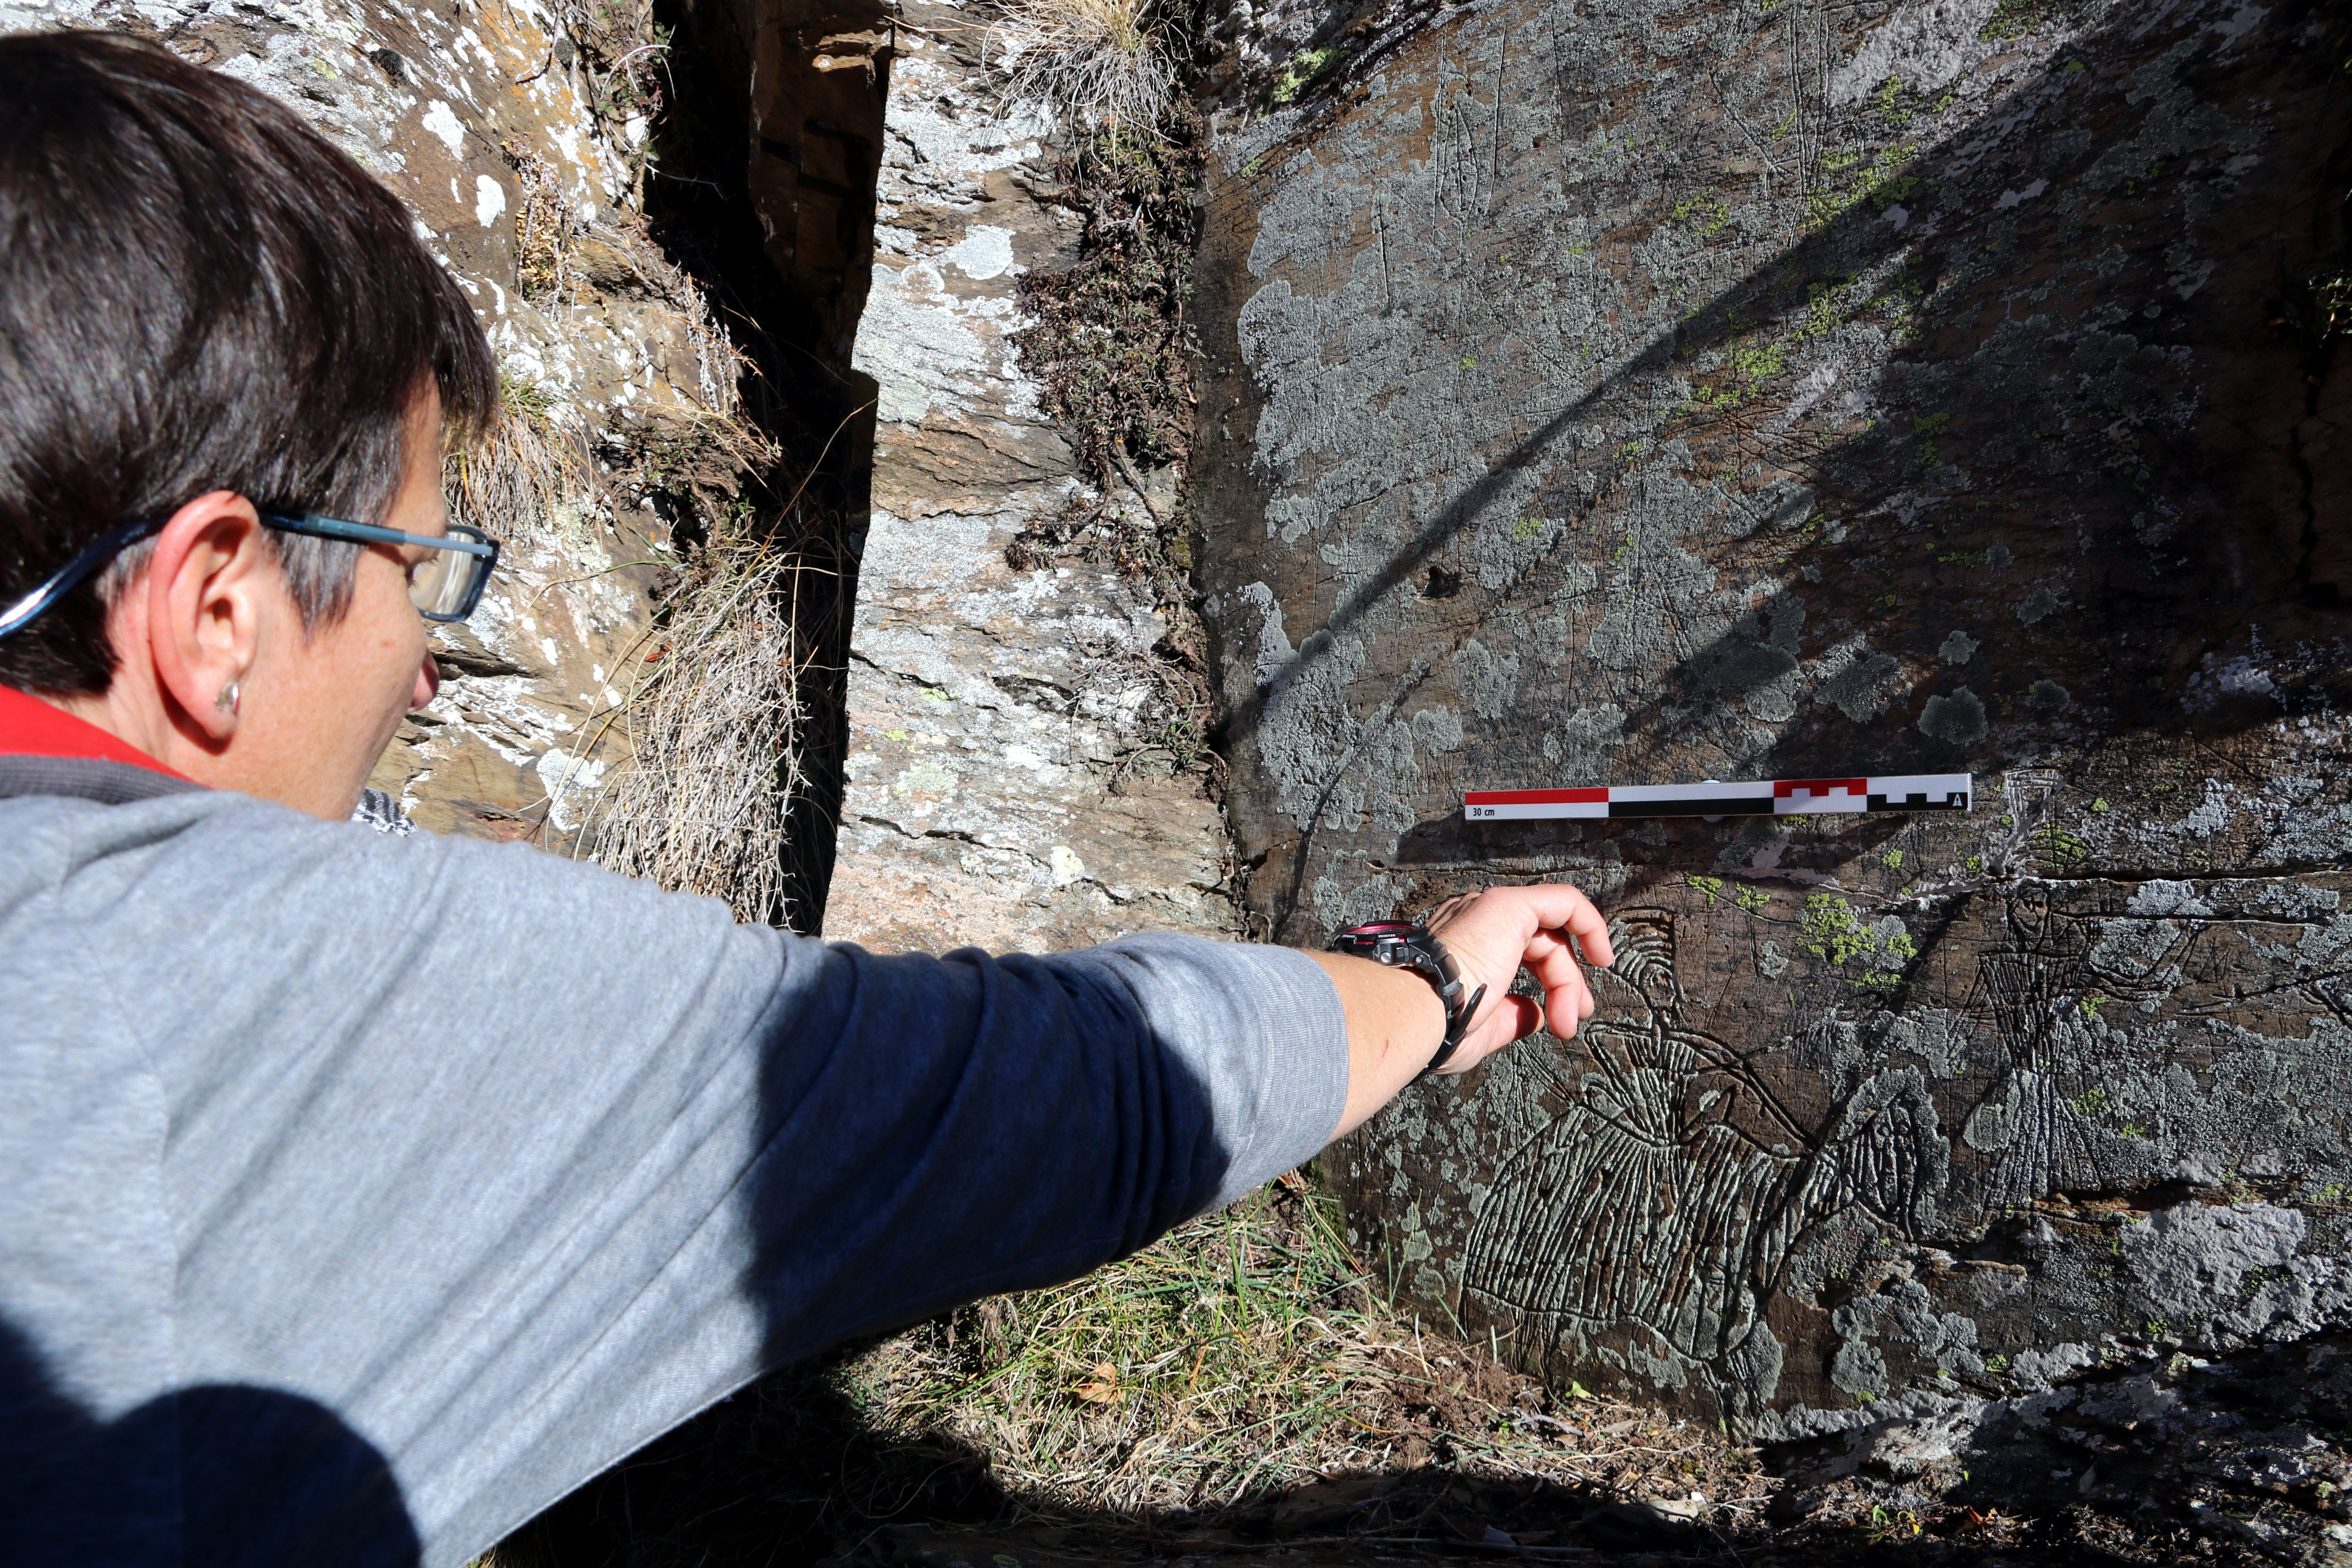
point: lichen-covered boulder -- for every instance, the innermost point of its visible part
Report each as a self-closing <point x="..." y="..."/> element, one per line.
<point x="1617" y="392"/>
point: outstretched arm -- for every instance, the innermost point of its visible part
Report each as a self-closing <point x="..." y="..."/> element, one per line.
<point x="1396" y="1021"/>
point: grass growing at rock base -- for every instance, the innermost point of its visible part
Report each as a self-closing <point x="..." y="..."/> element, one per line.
<point x="1248" y="1354"/>
<point x="1246" y="1377"/>
<point x="1246" y="1388"/>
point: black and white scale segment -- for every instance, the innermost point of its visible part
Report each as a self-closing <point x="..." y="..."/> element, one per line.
<point x="1767" y="797"/>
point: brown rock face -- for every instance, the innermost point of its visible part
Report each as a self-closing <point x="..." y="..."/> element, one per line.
<point x="1632" y="392"/>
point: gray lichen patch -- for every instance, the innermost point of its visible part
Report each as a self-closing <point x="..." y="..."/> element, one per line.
<point x="1957" y="718"/>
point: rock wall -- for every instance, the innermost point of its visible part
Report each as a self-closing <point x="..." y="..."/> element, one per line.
<point x="1630" y="391"/>
<point x="1000" y="787"/>
<point x="523" y="164"/>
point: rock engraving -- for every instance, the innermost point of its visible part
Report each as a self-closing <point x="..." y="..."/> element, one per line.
<point x="1654" y="1218"/>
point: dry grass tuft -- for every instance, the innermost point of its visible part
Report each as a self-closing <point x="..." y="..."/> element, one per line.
<point x="1102" y="62"/>
<point x="1244" y="1357"/>
<point x="530" y="479"/>
<point x="713" y="727"/>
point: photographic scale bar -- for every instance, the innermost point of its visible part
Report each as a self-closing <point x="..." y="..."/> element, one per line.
<point x="1770" y="797"/>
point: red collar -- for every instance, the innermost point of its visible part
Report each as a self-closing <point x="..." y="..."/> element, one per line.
<point x="31" y="728"/>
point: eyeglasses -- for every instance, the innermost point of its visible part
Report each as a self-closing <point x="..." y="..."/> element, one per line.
<point x="443" y="586"/>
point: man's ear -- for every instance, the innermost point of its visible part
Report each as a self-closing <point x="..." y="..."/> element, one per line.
<point x="210" y="580"/>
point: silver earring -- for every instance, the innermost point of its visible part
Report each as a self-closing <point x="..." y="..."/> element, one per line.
<point x="229" y="700"/>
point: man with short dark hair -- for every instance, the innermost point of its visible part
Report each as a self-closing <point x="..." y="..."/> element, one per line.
<point x="359" y="1196"/>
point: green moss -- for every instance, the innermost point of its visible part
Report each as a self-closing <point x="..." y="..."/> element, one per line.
<point x="1303" y="70"/>
<point x="2056" y="847"/>
<point x="1830" y="928"/>
<point x="1890" y="103"/>
<point x="1707" y="887"/>
<point x="1821" y="316"/>
<point x="1750" y="365"/>
<point x="1705" y="216"/>
<point x="1882" y="180"/>
<point x="2015" y="18"/>
<point x="1758" y="363"/>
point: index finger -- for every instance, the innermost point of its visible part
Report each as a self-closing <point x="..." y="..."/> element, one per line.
<point x="1560" y="906"/>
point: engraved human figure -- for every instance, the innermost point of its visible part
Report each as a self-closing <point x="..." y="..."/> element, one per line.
<point x="1656" y="1215"/>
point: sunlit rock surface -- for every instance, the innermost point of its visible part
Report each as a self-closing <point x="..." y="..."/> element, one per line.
<point x="1619" y="392"/>
<point x="1001" y="793"/>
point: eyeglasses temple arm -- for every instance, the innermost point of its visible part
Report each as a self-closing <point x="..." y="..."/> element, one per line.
<point x="21" y="614"/>
<point x="368" y="534"/>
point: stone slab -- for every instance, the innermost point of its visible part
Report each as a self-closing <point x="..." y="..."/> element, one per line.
<point x="1619" y="392"/>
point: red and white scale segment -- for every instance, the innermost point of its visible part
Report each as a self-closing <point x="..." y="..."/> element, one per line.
<point x="1770" y="797"/>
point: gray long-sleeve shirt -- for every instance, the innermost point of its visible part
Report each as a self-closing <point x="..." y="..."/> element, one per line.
<point x="359" y="1196"/>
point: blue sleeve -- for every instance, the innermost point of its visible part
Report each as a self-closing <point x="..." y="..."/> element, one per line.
<point x="985" y="1124"/>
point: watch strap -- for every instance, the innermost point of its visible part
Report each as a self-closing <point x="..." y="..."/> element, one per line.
<point x="1408" y="944"/>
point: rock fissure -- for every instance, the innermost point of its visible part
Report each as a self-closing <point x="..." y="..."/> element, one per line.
<point x="1004" y="671"/>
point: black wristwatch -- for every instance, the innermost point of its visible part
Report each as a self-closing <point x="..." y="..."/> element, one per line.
<point x="1407" y="945"/>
